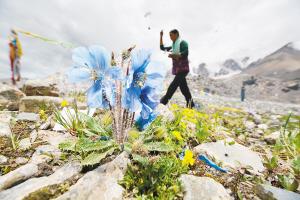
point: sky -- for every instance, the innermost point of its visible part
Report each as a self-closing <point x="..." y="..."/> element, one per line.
<point x="216" y="30"/>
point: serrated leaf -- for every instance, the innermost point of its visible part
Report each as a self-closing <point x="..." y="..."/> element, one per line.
<point x="158" y="146"/>
<point x="95" y="157"/>
<point x="86" y="145"/>
<point x="140" y="159"/>
<point x="67" y="145"/>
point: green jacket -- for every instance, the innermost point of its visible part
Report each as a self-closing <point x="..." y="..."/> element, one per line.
<point x="184" y="49"/>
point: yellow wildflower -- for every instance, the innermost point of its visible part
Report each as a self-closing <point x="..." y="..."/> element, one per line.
<point x="182" y="124"/>
<point x="174" y="107"/>
<point x="64" y="103"/>
<point x="168" y="140"/>
<point x="43" y="115"/>
<point x="188" y="158"/>
<point x="177" y="135"/>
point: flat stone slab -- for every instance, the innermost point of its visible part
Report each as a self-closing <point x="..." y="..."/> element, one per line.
<point x="10" y="97"/>
<point x="203" y="188"/>
<point x="232" y="156"/>
<point x="269" y="192"/>
<point x="101" y="183"/>
<point x="25" y="116"/>
<point x="33" y="103"/>
<point x="24" y="189"/>
<point x="53" y="138"/>
<point x="22" y="173"/>
<point x="4" y="129"/>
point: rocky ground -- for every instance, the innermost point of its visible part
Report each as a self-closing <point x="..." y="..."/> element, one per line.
<point x="245" y="138"/>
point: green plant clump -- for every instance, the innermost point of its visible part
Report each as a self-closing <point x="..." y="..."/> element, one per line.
<point x="155" y="179"/>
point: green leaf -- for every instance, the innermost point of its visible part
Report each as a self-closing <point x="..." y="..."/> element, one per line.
<point x="202" y="132"/>
<point x="296" y="166"/>
<point x="287" y="182"/>
<point x="297" y="142"/>
<point x="95" y="157"/>
<point x="140" y="159"/>
<point x="68" y="145"/>
<point x="158" y="146"/>
<point x="87" y="145"/>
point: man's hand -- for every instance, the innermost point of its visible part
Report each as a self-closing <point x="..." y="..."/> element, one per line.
<point x="161" y="33"/>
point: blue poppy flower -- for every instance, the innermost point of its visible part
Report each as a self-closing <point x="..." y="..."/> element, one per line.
<point x="143" y="86"/>
<point x="93" y="64"/>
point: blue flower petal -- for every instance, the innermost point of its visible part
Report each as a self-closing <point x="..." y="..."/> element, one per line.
<point x="140" y="60"/>
<point x="79" y="74"/>
<point x="115" y="73"/>
<point x="81" y="57"/>
<point x="95" y="96"/>
<point x="142" y="123"/>
<point x="100" y="58"/>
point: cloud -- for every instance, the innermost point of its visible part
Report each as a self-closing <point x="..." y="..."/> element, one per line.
<point x="215" y="30"/>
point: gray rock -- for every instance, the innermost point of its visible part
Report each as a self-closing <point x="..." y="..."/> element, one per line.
<point x="101" y="183"/>
<point x="33" y="136"/>
<point x="263" y="126"/>
<point x="203" y="188"/>
<point x="271" y="139"/>
<point x="233" y="156"/>
<point x="165" y="112"/>
<point x="25" y="144"/>
<point x="33" y="103"/>
<point x="3" y="160"/>
<point x="4" y="129"/>
<point x="22" y="173"/>
<point x="249" y="125"/>
<point x="24" y="116"/>
<point x="269" y="192"/>
<point x="293" y="85"/>
<point x="21" y="160"/>
<point x="53" y="138"/>
<point x="45" y="153"/>
<point x="10" y="97"/>
<point x="40" y="87"/>
<point x="24" y="189"/>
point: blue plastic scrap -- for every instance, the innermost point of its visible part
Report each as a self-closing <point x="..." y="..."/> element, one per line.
<point x="211" y="163"/>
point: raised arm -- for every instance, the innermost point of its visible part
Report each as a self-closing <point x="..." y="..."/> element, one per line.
<point x="162" y="47"/>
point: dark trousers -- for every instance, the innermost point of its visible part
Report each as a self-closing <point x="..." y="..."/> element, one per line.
<point x="179" y="81"/>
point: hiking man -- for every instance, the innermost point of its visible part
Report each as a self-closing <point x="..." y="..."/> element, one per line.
<point x="15" y="53"/>
<point x="179" y="56"/>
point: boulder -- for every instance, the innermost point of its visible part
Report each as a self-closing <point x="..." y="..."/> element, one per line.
<point x="271" y="139"/>
<point x="269" y="192"/>
<point x="26" y="116"/>
<point x="22" y="173"/>
<point x="21" y="160"/>
<point x="10" y="97"/>
<point x="101" y="183"/>
<point x="25" y="144"/>
<point x="53" y="138"/>
<point x="4" y="129"/>
<point x="3" y="159"/>
<point x="293" y="85"/>
<point x="22" y="190"/>
<point x="249" y="125"/>
<point x="34" y="103"/>
<point x="263" y="126"/>
<point x="231" y="155"/>
<point x="203" y="188"/>
<point x="40" y="87"/>
<point x="165" y="112"/>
